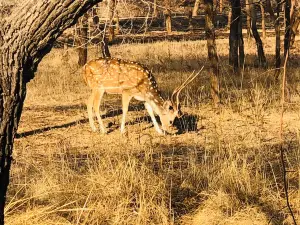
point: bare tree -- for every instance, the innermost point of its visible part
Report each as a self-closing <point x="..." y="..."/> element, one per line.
<point x="287" y="26"/>
<point x="221" y="6"/>
<point x="212" y="50"/>
<point x="248" y="19"/>
<point x="111" y="8"/>
<point x="275" y="19"/>
<point x="277" y="33"/>
<point x="229" y="18"/>
<point x="196" y="7"/>
<point x="24" y="42"/>
<point x="294" y="25"/>
<point x="236" y="43"/>
<point x="263" y="22"/>
<point x="82" y="39"/>
<point x="155" y="12"/>
<point x="168" y="16"/>
<point x="260" y="49"/>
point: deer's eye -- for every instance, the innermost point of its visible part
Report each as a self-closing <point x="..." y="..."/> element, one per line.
<point x="170" y="107"/>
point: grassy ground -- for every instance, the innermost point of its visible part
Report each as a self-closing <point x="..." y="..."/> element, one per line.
<point x="224" y="169"/>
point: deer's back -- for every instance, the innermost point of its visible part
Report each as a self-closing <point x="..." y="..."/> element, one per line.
<point x="115" y="75"/>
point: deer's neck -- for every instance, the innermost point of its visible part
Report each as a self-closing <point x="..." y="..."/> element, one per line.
<point x="156" y="102"/>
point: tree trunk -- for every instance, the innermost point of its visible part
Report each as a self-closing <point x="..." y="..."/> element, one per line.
<point x="275" y="19"/>
<point x="241" y="43"/>
<point x="168" y="16"/>
<point x="221" y="6"/>
<point x="95" y="17"/>
<point x="24" y="41"/>
<point x="229" y="18"/>
<point x="260" y="49"/>
<point x="196" y="8"/>
<point x="117" y="31"/>
<point x="263" y="22"/>
<point x="248" y="19"/>
<point x="212" y="50"/>
<point x="287" y="26"/>
<point x="155" y="13"/>
<point x="277" y="33"/>
<point x="294" y="26"/>
<point x="190" y="14"/>
<point x="111" y="31"/>
<point x="235" y="37"/>
<point x="83" y="40"/>
<point x="104" y="48"/>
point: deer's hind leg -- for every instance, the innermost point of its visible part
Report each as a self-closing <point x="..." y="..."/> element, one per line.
<point x="90" y="104"/>
<point x="97" y="101"/>
<point x="126" y="97"/>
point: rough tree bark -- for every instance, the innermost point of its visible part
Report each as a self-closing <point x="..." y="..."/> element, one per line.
<point x="196" y="7"/>
<point x="260" y="49"/>
<point x="26" y="36"/>
<point x="236" y="46"/>
<point x="212" y="50"/>
<point x="168" y="16"/>
<point x="82" y="40"/>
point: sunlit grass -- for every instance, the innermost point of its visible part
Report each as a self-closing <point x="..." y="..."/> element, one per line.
<point x="225" y="171"/>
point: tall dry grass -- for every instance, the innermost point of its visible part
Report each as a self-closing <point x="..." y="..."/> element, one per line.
<point x="224" y="169"/>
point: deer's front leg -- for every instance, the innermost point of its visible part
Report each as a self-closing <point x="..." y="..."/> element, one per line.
<point x="90" y="112"/>
<point x="151" y="113"/>
<point x="97" y="101"/>
<point x="126" y="97"/>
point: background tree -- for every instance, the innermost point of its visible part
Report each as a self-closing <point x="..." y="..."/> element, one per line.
<point x="196" y="8"/>
<point x="83" y="39"/>
<point x="275" y="19"/>
<point x="260" y="49"/>
<point x="248" y="19"/>
<point x="155" y="12"/>
<point x="212" y="50"/>
<point x="294" y="25"/>
<point x="263" y="21"/>
<point x="111" y="11"/>
<point x="168" y="16"/>
<point x="23" y="44"/>
<point x="287" y="15"/>
<point x="236" y="43"/>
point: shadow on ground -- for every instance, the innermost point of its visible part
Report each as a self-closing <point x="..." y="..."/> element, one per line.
<point x="186" y="123"/>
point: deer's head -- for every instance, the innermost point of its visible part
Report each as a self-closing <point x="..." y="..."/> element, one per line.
<point x="171" y="108"/>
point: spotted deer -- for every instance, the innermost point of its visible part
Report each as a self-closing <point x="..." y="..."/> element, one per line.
<point x="131" y="80"/>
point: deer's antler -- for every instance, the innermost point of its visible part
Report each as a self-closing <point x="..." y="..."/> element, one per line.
<point x="175" y="95"/>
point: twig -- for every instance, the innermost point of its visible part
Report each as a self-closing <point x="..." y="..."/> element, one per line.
<point x="284" y="171"/>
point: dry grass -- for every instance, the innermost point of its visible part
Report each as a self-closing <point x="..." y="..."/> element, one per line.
<point x="225" y="170"/>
